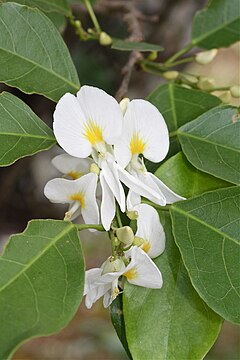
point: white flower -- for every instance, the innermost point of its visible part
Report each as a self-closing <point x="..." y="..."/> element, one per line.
<point x="72" y="166"/>
<point x="80" y="194"/>
<point x="149" y="228"/>
<point x="145" y="132"/>
<point x="140" y="271"/>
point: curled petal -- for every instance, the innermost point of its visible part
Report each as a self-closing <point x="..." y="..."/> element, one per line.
<point x="170" y="196"/>
<point x="108" y="205"/>
<point x="90" y="211"/>
<point x="72" y="166"/>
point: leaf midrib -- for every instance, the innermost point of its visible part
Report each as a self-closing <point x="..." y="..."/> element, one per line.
<point x="49" y="138"/>
<point x="37" y="257"/>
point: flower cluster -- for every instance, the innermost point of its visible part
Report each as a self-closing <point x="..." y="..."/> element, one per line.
<point x="105" y="143"/>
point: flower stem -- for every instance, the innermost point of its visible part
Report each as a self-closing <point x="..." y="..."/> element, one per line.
<point x="81" y="227"/>
<point x="92" y="16"/>
<point x="119" y="221"/>
<point x="179" y="53"/>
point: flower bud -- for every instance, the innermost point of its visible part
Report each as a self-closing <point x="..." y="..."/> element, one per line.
<point x="124" y="105"/>
<point x="132" y="215"/>
<point x="190" y="78"/>
<point x="105" y="39"/>
<point x="225" y="97"/>
<point x="205" y="57"/>
<point x="186" y="86"/>
<point x="152" y="56"/>
<point x="206" y="83"/>
<point x="138" y="241"/>
<point x="111" y="265"/>
<point x="235" y="91"/>
<point x="170" y="75"/>
<point x="125" y="235"/>
<point x="94" y="169"/>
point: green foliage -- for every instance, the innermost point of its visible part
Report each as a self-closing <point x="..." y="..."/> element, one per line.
<point x="41" y="283"/>
<point x="173" y="322"/>
<point x="22" y="133"/>
<point x="39" y="62"/>
<point x="60" y="6"/>
<point x="134" y="45"/>
<point x="178" y="106"/>
<point x="211" y="143"/>
<point x="185" y="179"/>
<point x="206" y="230"/>
<point x="218" y="25"/>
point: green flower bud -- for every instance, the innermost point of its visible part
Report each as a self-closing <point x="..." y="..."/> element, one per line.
<point x="186" y="86"/>
<point x="152" y="56"/>
<point x="138" y="241"/>
<point x="105" y="39"/>
<point x="206" y="83"/>
<point x="112" y="265"/>
<point x="125" y="235"/>
<point x="225" y="97"/>
<point x="94" y="169"/>
<point x="205" y="57"/>
<point x="235" y="91"/>
<point x="170" y="75"/>
<point x="190" y="78"/>
<point x="124" y="105"/>
<point x="132" y="215"/>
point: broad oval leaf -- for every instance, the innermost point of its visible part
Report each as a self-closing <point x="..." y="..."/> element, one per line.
<point x="41" y="282"/>
<point x="22" y="133"/>
<point x="206" y="230"/>
<point x="173" y="322"/>
<point x="211" y="143"/>
<point x="184" y="179"/>
<point x="125" y="45"/>
<point x="60" y="6"/>
<point x="178" y="106"/>
<point x="33" y="56"/>
<point x="218" y="25"/>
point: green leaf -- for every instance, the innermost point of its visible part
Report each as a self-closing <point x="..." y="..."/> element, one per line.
<point x="173" y="322"/>
<point x="185" y="179"/>
<point x="211" y="143"/>
<point x="58" y="20"/>
<point x="41" y="282"/>
<point x="134" y="45"/>
<point x="178" y="106"/>
<point x="22" y="133"/>
<point x="33" y="56"/>
<point x="218" y="25"/>
<point x="60" y="6"/>
<point x="206" y="230"/>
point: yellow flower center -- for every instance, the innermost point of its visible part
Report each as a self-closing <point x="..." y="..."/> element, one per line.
<point x="78" y="197"/>
<point x="146" y="246"/>
<point x="93" y="132"/>
<point x="74" y="174"/>
<point x="131" y="274"/>
<point x="137" y="145"/>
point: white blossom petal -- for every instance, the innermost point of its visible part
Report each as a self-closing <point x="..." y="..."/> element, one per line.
<point x="90" y="211"/>
<point x="108" y="205"/>
<point x="133" y="199"/>
<point x="170" y="196"/>
<point x="60" y="190"/>
<point x="92" y="290"/>
<point x="72" y="166"/>
<point x="150" y="229"/>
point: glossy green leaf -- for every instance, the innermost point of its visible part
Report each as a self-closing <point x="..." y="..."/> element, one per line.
<point x="125" y="45"/>
<point x="22" y="133"/>
<point x="178" y="106"/>
<point x="58" y="20"/>
<point x="206" y="230"/>
<point x="33" y="56"/>
<point x="211" y="143"/>
<point x="60" y="6"/>
<point x="185" y="179"/>
<point x="41" y="282"/>
<point x="218" y="25"/>
<point x="172" y="322"/>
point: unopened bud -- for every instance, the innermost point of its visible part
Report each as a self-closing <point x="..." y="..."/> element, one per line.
<point x="77" y="24"/>
<point x="186" y="86"/>
<point x="225" y="97"/>
<point x="124" y="105"/>
<point x="170" y="75"/>
<point x="152" y="56"/>
<point x="111" y="265"/>
<point x="125" y="235"/>
<point x="205" y="57"/>
<point x="105" y="39"/>
<point x="206" y="83"/>
<point x="138" y="241"/>
<point x="94" y="169"/>
<point x="235" y="91"/>
<point x="132" y="215"/>
<point x="190" y="78"/>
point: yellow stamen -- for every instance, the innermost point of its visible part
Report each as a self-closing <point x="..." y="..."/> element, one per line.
<point x="74" y="174"/>
<point x="137" y="145"/>
<point x="131" y="274"/>
<point x="78" y="197"/>
<point x="93" y="132"/>
<point x="146" y="246"/>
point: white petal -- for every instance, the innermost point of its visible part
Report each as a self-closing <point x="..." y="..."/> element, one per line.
<point x="144" y="123"/>
<point x="103" y="110"/>
<point x="133" y="199"/>
<point x="147" y="273"/>
<point x="90" y="211"/>
<point x="92" y="290"/>
<point x="150" y="229"/>
<point x="90" y="278"/>
<point x="108" y="205"/>
<point x="140" y="188"/>
<point x="68" y="164"/>
<point x="110" y="174"/>
<point x="59" y="190"/>
<point x="171" y="197"/>
<point x="68" y="127"/>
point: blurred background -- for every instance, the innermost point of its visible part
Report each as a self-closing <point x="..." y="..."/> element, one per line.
<point x="90" y="335"/>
